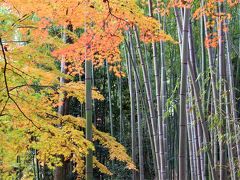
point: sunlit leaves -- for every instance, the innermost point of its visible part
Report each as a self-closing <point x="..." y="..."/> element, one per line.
<point x="105" y="22"/>
<point x="78" y="90"/>
<point x="33" y="46"/>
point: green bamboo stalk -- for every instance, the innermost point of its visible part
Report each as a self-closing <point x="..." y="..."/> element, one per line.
<point x="132" y="101"/>
<point x="222" y="80"/>
<point x="159" y="109"/>
<point x="150" y="106"/>
<point x="183" y="88"/>
<point x="120" y="110"/>
<point x="88" y="110"/>
<point x="139" y="120"/>
<point x="230" y="80"/>
<point x="196" y="89"/>
<point x="109" y="100"/>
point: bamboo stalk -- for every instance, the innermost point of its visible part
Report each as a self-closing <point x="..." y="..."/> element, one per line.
<point x="150" y="102"/>
<point x="183" y="88"/>
<point x="132" y="92"/>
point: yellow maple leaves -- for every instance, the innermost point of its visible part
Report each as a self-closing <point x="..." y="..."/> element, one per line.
<point x="77" y="89"/>
<point x="116" y="150"/>
<point x="33" y="76"/>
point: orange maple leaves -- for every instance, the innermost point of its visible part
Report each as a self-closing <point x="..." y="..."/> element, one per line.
<point x="214" y="17"/>
<point x="104" y="23"/>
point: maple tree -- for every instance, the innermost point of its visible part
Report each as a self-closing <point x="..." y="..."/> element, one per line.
<point x="36" y="75"/>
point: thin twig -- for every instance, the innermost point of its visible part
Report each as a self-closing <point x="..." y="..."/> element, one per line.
<point x="4" y="106"/>
<point x="24" y="113"/>
<point x="5" y="42"/>
<point x="21" y="71"/>
<point x="7" y="88"/>
<point x="5" y="67"/>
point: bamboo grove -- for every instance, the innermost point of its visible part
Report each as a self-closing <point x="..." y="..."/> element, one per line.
<point x="119" y="89"/>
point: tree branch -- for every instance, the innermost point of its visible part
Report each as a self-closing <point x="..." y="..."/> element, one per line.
<point x="7" y="88"/>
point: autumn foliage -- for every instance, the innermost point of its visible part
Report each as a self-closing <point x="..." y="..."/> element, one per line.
<point x="35" y="36"/>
